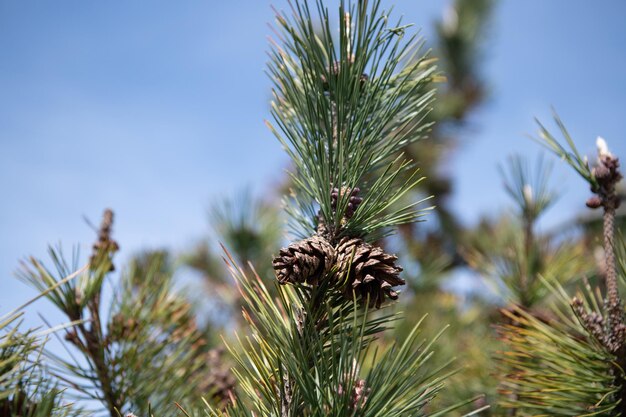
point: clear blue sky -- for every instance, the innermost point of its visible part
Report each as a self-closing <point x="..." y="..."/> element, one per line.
<point x="156" y="108"/>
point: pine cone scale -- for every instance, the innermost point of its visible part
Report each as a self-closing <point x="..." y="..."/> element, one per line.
<point x="369" y="271"/>
<point x="304" y="261"/>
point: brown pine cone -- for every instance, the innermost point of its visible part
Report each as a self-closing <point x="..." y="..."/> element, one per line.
<point x="304" y="261"/>
<point x="368" y="271"/>
<point x="353" y="203"/>
<point x="220" y="379"/>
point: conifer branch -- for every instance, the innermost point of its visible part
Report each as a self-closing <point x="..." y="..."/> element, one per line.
<point x="587" y="335"/>
<point x="602" y="180"/>
<point x="343" y="109"/>
<point x="121" y="360"/>
<point x="26" y="388"/>
<point x="332" y="118"/>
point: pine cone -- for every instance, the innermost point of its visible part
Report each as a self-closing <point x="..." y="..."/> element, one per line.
<point x="220" y="380"/>
<point x="304" y="261"/>
<point x="370" y="271"/>
<point x="322" y="228"/>
<point x="353" y="203"/>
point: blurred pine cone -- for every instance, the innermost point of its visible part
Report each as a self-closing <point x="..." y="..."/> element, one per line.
<point x="218" y="383"/>
<point x="304" y="261"/>
<point x="220" y="380"/>
<point x="353" y="203"/>
<point x="367" y="270"/>
<point x="105" y="246"/>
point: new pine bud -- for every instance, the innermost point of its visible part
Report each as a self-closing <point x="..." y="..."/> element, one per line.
<point x="594" y="202"/>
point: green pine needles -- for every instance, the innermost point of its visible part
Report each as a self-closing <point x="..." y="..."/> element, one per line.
<point x="571" y="362"/>
<point x="140" y="350"/>
<point x="26" y="386"/>
<point x="311" y="354"/>
<point x="346" y="100"/>
<point x="319" y="335"/>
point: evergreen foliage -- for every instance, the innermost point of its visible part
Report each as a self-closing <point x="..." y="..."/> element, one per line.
<point x="570" y="364"/>
<point x="331" y="324"/>
<point x="512" y="255"/>
<point x="121" y="359"/>
<point x="308" y="355"/>
<point x="252" y="229"/>
<point x="334" y="102"/>
<point x="25" y="385"/>
<point x="312" y="351"/>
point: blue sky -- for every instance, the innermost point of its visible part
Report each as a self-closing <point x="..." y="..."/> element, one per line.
<point x="156" y="109"/>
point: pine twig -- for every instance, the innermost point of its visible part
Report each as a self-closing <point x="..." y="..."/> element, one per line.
<point x="610" y="329"/>
<point x="607" y="175"/>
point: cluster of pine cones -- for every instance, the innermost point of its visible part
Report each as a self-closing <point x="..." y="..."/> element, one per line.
<point x="357" y="266"/>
